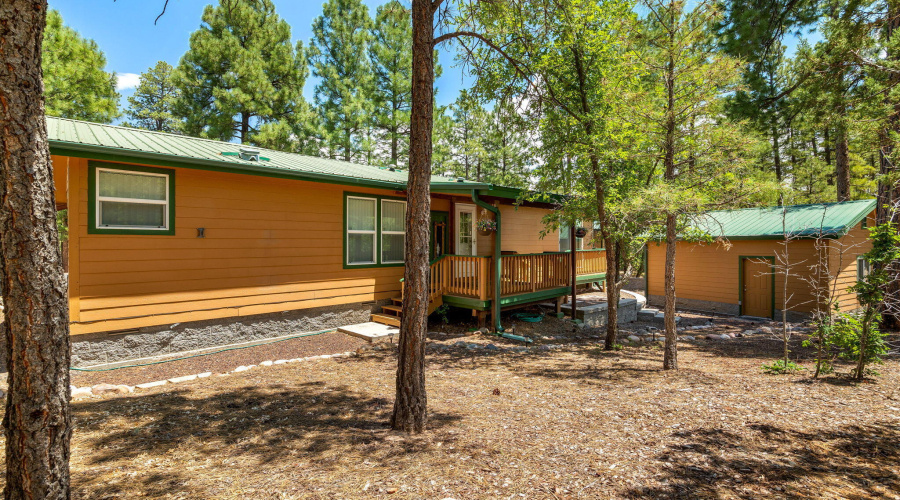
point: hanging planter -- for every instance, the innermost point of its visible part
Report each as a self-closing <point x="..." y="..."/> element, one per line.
<point x="486" y="227"/>
<point x="580" y="232"/>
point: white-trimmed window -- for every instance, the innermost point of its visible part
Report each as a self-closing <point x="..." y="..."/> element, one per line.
<point x="132" y="200"/>
<point x="393" y="231"/>
<point x="361" y="230"/>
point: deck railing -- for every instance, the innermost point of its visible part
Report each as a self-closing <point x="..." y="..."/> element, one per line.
<point x="531" y="272"/>
<point x="473" y="276"/>
<point x="588" y="262"/>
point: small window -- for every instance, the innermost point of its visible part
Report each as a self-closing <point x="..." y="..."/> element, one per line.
<point x="131" y="200"/>
<point x="361" y="230"/>
<point x="393" y="231"/>
<point x="862" y="268"/>
<point x="375" y="230"/>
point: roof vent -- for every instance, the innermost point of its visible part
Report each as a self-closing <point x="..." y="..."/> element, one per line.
<point x="460" y="179"/>
<point x="249" y="154"/>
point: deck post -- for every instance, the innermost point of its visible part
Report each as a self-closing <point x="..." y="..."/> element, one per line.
<point x="574" y="272"/>
<point x="495" y="302"/>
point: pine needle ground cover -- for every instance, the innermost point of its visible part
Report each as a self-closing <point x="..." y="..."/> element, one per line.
<point x="571" y="422"/>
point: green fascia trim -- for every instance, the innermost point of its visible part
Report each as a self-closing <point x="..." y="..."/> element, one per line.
<point x="590" y="278"/>
<point x="467" y="302"/>
<point x="522" y="298"/>
<point x="114" y="155"/>
<point x="378" y="235"/>
<point x="741" y="259"/>
<point x="92" y="199"/>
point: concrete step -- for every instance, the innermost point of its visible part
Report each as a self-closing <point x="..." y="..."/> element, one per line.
<point x="386" y="319"/>
<point x="647" y="314"/>
<point x="373" y="332"/>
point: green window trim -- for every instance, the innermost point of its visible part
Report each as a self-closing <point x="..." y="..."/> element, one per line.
<point x="93" y="202"/>
<point x="379" y="234"/>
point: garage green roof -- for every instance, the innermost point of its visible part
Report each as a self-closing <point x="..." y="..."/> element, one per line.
<point x="831" y="220"/>
<point x="112" y="143"/>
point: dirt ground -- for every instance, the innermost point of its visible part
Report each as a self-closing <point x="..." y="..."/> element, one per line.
<point x="222" y="362"/>
<point x="564" y="421"/>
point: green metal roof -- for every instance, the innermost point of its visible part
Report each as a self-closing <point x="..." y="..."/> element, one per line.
<point x="112" y="143"/>
<point x="831" y="220"/>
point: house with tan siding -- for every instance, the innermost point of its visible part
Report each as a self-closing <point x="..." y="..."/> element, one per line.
<point x="752" y="269"/>
<point x="178" y="243"/>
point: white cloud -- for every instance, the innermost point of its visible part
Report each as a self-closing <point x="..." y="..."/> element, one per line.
<point x="127" y="81"/>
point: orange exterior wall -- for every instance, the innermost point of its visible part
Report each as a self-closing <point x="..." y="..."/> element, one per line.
<point x="711" y="272"/>
<point x="270" y="245"/>
<point x="842" y="254"/>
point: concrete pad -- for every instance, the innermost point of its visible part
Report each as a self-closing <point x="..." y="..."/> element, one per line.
<point x="372" y="332"/>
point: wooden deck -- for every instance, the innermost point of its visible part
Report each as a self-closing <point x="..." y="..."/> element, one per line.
<point x="467" y="281"/>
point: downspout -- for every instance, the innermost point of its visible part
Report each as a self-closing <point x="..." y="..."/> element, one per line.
<point x="495" y="302"/>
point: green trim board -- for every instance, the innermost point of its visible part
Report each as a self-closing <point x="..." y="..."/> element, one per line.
<point x="741" y="259"/>
<point x="378" y="235"/>
<point x="92" y="199"/>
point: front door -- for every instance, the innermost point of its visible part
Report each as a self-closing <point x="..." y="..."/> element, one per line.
<point x="437" y="243"/>
<point x="465" y="239"/>
<point x="757" y="292"/>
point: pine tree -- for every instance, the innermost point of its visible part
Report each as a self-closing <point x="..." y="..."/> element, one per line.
<point x="75" y="84"/>
<point x="391" y="56"/>
<point x="338" y="53"/>
<point x="469" y="124"/>
<point x="37" y="422"/>
<point x="240" y="73"/>
<point x="508" y="151"/>
<point x="151" y="105"/>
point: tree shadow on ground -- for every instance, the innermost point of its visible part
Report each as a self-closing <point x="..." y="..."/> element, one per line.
<point x="859" y="461"/>
<point x="312" y="422"/>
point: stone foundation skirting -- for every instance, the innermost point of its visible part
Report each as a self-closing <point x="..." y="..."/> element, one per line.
<point x="721" y="308"/>
<point x="101" y="348"/>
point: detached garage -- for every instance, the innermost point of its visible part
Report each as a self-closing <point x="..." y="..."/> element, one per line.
<point x="741" y="272"/>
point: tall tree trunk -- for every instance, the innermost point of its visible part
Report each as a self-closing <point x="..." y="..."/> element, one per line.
<point x="612" y="275"/>
<point x="37" y="423"/>
<point x="670" y="350"/>
<point x="776" y="151"/>
<point x="394" y="141"/>
<point x="889" y="192"/>
<point x="842" y="162"/>
<point x="827" y="143"/>
<point x="410" y="403"/>
<point x="245" y="126"/>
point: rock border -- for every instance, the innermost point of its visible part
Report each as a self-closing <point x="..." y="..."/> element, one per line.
<point x="105" y="389"/>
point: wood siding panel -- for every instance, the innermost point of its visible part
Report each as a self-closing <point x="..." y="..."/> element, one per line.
<point x="521" y="228"/>
<point x="270" y="245"/>
<point x="711" y="272"/>
<point x="842" y="257"/>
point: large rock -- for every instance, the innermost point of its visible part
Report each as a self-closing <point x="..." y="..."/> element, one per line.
<point x="101" y="389"/>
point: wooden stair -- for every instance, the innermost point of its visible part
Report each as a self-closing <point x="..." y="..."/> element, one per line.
<point x="390" y="315"/>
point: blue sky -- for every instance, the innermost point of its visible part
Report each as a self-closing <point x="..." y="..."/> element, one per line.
<point x="125" y="32"/>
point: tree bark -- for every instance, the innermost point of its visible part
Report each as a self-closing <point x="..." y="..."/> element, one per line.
<point x="842" y="163"/>
<point x="37" y="423"/>
<point x="670" y="350"/>
<point x="776" y="150"/>
<point x="410" y="404"/>
<point x="889" y="192"/>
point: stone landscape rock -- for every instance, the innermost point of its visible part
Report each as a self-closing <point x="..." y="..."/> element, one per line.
<point x="241" y="368"/>
<point x="148" y="385"/>
<point x="634" y="338"/>
<point x="185" y="378"/>
<point x="101" y="389"/>
<point x="766" y="329"/>
<point x="80" y="391"/>
<point x="267" y="363"/>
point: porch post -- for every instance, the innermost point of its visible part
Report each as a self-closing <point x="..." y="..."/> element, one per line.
<point x="495" y="302"/>
<point x="574" y="272"/>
